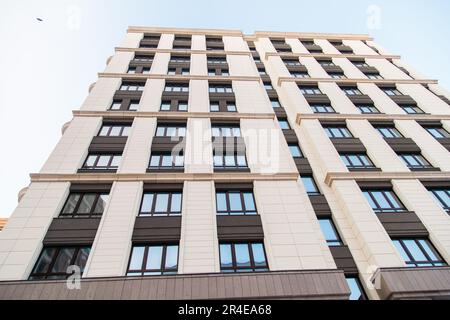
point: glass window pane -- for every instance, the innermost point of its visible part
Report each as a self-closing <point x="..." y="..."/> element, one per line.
<point x="82" y="256"/>
<point x="91" y="160"/>
<point x="162" y="201"/>
<point x="242" y="255"/>
<point x="160" y="131"/>
<point x="182" y="106"/>
<point x="104" y="131"/>
<point x="401" y="250"/>
<point x="175" y="205"/>
<point x="154" y="161"/>
<point x="380" y="199"/>
<point x="355" y="291"/>
<point x="166" y="161"/>
<point x="415" y="251"/>
<point x="103" y="161"/>
<point x="373" y="205"/>
<point x="328" y="230"/>
<point x="225" y="256"/>
<point x="214" y="107"/>
<point x="137" y="257"/>
<point x="249" y="201"/>
<point x="393" y="199"/>
<point x="295" y="151"/>
<point x="86" y="203"/>
<point x="428" y="249"/>
<point x="44" y="260"/>
<point x="115" y="131"/>
<point x="71" y="203"/>
<point x="236" y="132"/>
<point x="309" y="184"/>
<point x="235" y="201"/>
<point x="179" y="161"/>
<point x="229" y="161"/>
<point x="242" y="162"/>
<point x="116" y="161"/>
<point x="218" y="161"/>
<point x="154" y="257"/>
<point x="63" y="260"/>
<point x="231" y="107"/>
<point x="126" y="131"/>
<point x="221" y="201"/>
<point x="101" y="203"/>
<point x="147" y="202"/>
<point x="171" y="257"/>
<point x="258" y="254"/>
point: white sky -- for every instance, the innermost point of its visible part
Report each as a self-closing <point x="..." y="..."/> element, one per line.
<point x="46" y="67"/>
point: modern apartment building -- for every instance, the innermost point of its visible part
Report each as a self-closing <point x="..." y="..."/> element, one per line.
<point x="210" y="164"/>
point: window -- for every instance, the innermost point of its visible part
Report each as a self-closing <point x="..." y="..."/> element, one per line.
<point x="229" y="161"/>
<point x="131" y="70"/>
<point x="143" y="58"/>
<point x="291" y="62"/>
<point x="243" y="257"/>
<point x="116" y="105"/>
<point x="295" y="150"/>
<point x="217" y="106"/>
<point x="222" y="131"/>
<point x="356" y="290"/>
<point x="284" y="124"/>
<point x="149" y="260"/>
<point x="329" y="231"/>
<point x="275" y="103"/>
<point x="176" y="87"/>
<point x="84" y="204"/>
<point x="411" y="109"/>
<point x="357" y="161"/>
<point x="114" y="130"/>
<point x="351" y="91"/>
<point x="389" y="132"/>
<point x="338" y="132"/>
<point x="172" y="71"/>
<point x="217" y="60"/>
<point x="299" y="74"/>
<point x="132" y="86"/>
<point x="384" y="201"/>
<point x="310" y="185"/>
<point x="442" y="195"/>
<point x="322" y="108"/>
<point x="175" y="106"/>
<point x="165" y="160"/>
<point x="391" y="91"/>
<point x="373" y="75"/>
<point x="326" y="63"/>
<point x="367" y="108"/>
<point x="220" y="88"/>
<point x="268" y="86"/>
<point x="161" y="203"/>
<point x="180" y="59"/>
<point x="53" y="262"/>
<point x="337" y="75"/>
<point x="235" y="203"/>
<point x="145" y="70"/>
<point x="262" y="71"/>
<point x="102" y="161"/>
<point x="360" y="64"/>
<point x="309" y="90"/>
<point x="418" y="253"/>
<point x="438" y="133"/>
<point x="164" y="130"/>
<point x="256" y="59"/>
<point x="415" y="161"/>
<point x="307" y="42"/>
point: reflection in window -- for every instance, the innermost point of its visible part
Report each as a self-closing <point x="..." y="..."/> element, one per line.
<point x="102" y="161"/>
<point x="84" y="205"/>
<point x="166" y="160"/>
<point x="147" y="260"/>
<point x="242" y="257"/>
<point x="329" y="231"/>
<point x="442" y="195"/>
<point x="164" y="203"/>
<point x="356" y="290"/>
<point x="418" y="253"/>
<point x="384" y="201"/>
<point x="310" y="185"/>
<point x="235" y="203"/>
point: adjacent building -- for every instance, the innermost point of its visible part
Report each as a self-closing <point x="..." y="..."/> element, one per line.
<point x="210" y="164"/>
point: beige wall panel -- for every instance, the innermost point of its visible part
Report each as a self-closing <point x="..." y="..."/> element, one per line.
<point x="425" y="99"/>
<point x="199" y="247"/>
<point x="119" y="62"/>
<point x="166" y="41"/>
<point x="264" y="45"/>
<point x="21" y="239"/>
<point x="131" y="40"/>
<point x="440" y="90"/>
<point x="386" y="69"/>
<point x="151" y="98"/>
<point x="198" y="65"/>
<point x="198" y="96"/>
<point x="349" y="69"/>
<point x="198" y="42"/>
<point x="101" y="95"/>
<point x="315" y="70"/>
<point x="414" y="73"/>
<point x="359" y="47"/>
<point x="71" y="151"/>
<point x="326" y="46"/>
<point x="234" y="44"/>
<point x="276" y="67"/>
<point x="250" y="97"/>
<point x="160" y="63"/>
<point x="292" y="100"/>
<point x="111" y="250"/>
<point x="136" y="155"/>
<point x="241" y="65"/>
<point x="380" y="49"/>
<point x="198" y="153"/>
<point x="380" y="99"/>
<point x="339" y="100"/>
<point x="296" y="46"/>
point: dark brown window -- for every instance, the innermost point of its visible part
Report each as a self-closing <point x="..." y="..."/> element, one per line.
<point x="310" y="90"/>
<point x="161" y="203"/>
<point x="175" y="71"/>
<point x="169" y="130"/>
<point x="329" y="231"/>
<point x="391" y="91"/>
<point x="438" y="132"/>
<point x="218" y="72"/>
<point x="84" y="204"/>
<point x="225" y="131"/>
<point x="338" y="132"/>
<point x="174" y="105"/>
<point x="442" y="195"/>
<point x="144" y="58"/>
<point x="235" y="202"/>
<point x="389" y="132"/>
<point x="367" y="108"/>
<point x="149" y="260"/>
<point x="220" y="88"/>
<point x="114" y="130"/>
<point x="415" y="161"/>
<point x="373" y="75"/>
<point x="411" y="109"/>
<point x="176" y="87"/>
<point x="222" y="106"/>
<point x="322" y="108"/>
<point x="418" y="252"/>
<point x="384" y="201"/>
<point x="124" y="105"/>
<point x="356" y="289"/>
<point x="310" y="185"/>
<point x="180" y="59"/>
<point x="165" y="160"/>
<point x="300" y="74"/>
<point x="229" y="161"/>
<point x="351" y="91"/>
<point x="337" y="75"/>
<point x="102" y="161"/>
<point x="357" y="161"/>
<point x="243" y="257"/>
<point x="53" y="262"/>
<point x="217" y="60"/>
<point x="132" y="86"/>
<point x="292" y="62"/>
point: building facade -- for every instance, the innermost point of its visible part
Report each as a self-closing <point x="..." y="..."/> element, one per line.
<point x="210" y="164"/>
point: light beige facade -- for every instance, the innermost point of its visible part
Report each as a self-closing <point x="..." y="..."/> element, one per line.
<point x="290" y="214"/>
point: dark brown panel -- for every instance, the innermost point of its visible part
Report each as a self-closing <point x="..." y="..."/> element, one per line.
<point x="280" y="113"/>
<point x="107" y="121"/>
<point x="331" y="123"/>
<point x="303" y="166"/>
<point x="156" y="229"/>
<point x="72" y="231"/>
<point x="445" y="142"/>
<point x="350" y="145"/>
<point x="228" y="144"/>
<point x="163" y="144"/>
<point x="234" y="186"/>
<point x="403" y="99"/>
<point x="329" y="69"/>
<point x="344" y="259"/>
<point x="375" y="184"/>
<point x="402" y="145"/>
<point x="413" y="283"/>
<point x="162" y="186"/>
<point x="320" y="205"/>
<point x="107" y="144"/>
<point x="90" y="187"/>
<point x="436" y="183"/>
<point x="290" y="136"/>
<point x="317" y="98"/>
<point x="402" y="224"/>
<point x="368" y="70"/>
<point x="239" y="227"/>
<point x="302" y="284"/>
<point x="361" y="99"/>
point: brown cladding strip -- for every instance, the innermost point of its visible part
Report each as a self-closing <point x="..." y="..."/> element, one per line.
<point x="248" y="227"/>
<point x="163" y="186"/>
<point x="344" y="259"/>
<point x="107" y="144"/>
<point x="234" y="186"/>
<point x="402" y="224"/>
<point x="73" y="231"/>
<point x="400" y="145"/>
<point x="303" y="284"/>
<point x="348" y="145"/>
<point x="303" y="166"/>
<point x="90" y="187"/>
<point x="156" y="229"/>
<point x="375" y="184"/>
<point x="320" y="205"/>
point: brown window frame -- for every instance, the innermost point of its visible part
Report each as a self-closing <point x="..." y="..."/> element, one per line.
<point x="430" y="262"/>
<point x="229" y="211"/>
<point x="161" y="157"/>
<point x="155" y="272"/>
<point x="91" y="213"/>
<point x="169" y="212"/>
<point x="111" y="126"/>
<point x="94" y="167"/>
<point x="174" y="105"/>
<point x="378" y="208"/>
<point x="234" y="267"/>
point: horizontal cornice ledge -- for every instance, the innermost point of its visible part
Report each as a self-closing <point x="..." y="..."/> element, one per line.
<point x="360" y="116"/>
<point x="369" y="176"/>
<point x="196" y="31"/>
<point x="178" y="51"/>
<point x="135" y="76"/>
<point x="357" y="80"/>
<point x="172" y="114"/>
<point x="222" y="177"/>
<point x="311" y="35"/>
<point x="331" y="55"/>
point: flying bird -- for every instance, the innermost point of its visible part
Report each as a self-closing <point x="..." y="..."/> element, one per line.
<point x="39" y="19"/>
